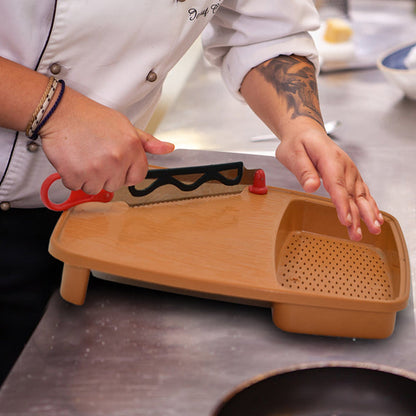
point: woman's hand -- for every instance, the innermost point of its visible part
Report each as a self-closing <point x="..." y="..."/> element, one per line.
<point x="91" y="146"/>
<point x="315" y="157"/>
<point x="94" y="147"/>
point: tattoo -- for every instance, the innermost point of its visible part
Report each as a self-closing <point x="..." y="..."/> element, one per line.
<point x="293" y="78"/>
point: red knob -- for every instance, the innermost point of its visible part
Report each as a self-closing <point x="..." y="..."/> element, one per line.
<point x="259" y="184"/>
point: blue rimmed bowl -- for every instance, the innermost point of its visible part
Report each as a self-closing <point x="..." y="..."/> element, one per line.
<point x="392" y="65"/>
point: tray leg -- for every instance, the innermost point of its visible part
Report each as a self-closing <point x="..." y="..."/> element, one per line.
<point x="74" y="284"/>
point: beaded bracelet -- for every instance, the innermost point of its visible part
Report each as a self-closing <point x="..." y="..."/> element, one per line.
<point x="35" y="133"/>
<point x="42" y="106"/>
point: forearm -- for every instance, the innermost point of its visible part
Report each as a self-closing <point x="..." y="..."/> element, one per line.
<point x="283" y="93"/>
<point x="20" y="91"/>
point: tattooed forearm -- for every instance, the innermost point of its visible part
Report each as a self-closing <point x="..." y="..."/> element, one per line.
<point x="293" y="78"/>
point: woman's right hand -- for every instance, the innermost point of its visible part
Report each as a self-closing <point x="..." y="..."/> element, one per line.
<point x="94" y="147"/>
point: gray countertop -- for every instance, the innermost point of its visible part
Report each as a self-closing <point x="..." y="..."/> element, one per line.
<point x="135" y="351"/>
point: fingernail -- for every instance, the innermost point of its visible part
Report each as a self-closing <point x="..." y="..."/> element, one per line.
<point x="309" y="185"/>
<point x="359" y="231"/>
<point x="349" y="218"/>
<point x="380" y="217"/>
<point x="377" y="224"/>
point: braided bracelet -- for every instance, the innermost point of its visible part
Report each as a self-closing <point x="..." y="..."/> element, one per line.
<point x="42" y="106"/>
<point x="35" y="133"/>
<point x="42" y="100"/>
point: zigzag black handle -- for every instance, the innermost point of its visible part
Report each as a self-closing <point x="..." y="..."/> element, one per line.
<point x="210" y="173"/>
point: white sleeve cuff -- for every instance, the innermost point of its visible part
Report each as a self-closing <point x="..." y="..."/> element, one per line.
<point x="240" y="59"/>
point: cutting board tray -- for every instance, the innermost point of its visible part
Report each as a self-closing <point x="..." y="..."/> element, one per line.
<point x="285" y="250"/>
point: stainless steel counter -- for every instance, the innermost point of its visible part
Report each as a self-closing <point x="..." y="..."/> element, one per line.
<point x="134" y="351"/>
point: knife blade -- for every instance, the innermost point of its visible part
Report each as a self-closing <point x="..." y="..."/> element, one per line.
<point x="164" y="184"/>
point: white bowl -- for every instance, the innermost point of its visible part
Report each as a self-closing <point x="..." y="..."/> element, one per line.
<point x="394" y="69"/>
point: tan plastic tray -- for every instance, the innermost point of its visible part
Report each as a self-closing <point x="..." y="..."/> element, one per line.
<point x="286" y="250"/>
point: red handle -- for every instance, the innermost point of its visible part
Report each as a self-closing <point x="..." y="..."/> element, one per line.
<point x="76" y="197"/>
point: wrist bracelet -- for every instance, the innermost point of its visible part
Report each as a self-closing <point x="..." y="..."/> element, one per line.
<point x="38" y="108"/>
<point x="35" y="132"/>
<point x="42" y="106"/>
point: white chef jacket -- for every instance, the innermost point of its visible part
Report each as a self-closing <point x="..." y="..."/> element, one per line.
<point x="119" y="53"/>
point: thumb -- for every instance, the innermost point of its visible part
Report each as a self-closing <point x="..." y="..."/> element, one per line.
<point x="153" y="145"/>
<point x="299" y="163"/>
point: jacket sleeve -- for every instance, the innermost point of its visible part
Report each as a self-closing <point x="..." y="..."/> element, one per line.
<point x="245" y="33"/>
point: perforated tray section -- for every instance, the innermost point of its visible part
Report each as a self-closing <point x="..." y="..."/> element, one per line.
<point x="321" y="265"/>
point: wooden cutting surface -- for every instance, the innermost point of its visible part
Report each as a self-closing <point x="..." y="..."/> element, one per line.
<point x="235" y="246"/>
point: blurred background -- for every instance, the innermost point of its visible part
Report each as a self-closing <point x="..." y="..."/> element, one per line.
<point x="377" y="26"/>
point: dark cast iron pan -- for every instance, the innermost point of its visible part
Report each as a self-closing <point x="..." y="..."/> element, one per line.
<point x="331" y="389"/>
